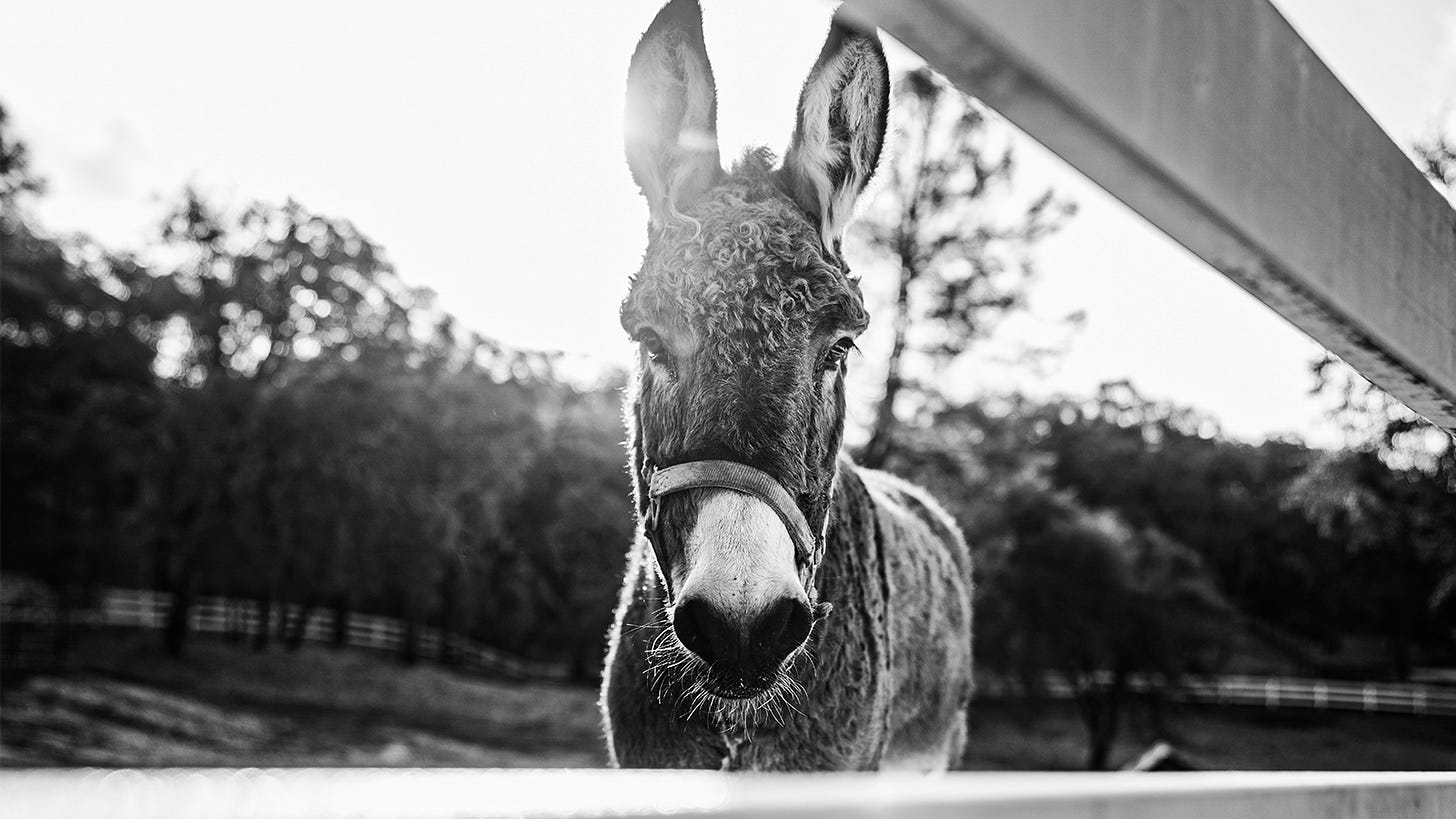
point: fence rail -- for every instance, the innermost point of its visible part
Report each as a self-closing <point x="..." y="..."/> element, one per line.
<point x="377" y="794"/>
<point x="1277" y="692"/>
<point x="146" y="609"/>
<point x="1217" y="123"/>
<point x="140" y="608"/>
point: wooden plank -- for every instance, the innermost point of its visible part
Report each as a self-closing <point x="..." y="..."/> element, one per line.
<point x="395" y="794"/>
<point x="1217" y="123"/>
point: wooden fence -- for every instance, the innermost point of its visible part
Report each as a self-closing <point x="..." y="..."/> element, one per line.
<point x="139" y="608"/>
<point x="146" y="609"/>
<point x="1277" y="692"/>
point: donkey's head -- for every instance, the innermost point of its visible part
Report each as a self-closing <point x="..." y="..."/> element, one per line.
<point x="744" y="311"/>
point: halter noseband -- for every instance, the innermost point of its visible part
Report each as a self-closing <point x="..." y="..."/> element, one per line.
<point x="739" y="478"/>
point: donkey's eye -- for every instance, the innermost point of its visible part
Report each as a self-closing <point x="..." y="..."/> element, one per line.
<point x="656" y="349"/>
<point x="836" y="353"/>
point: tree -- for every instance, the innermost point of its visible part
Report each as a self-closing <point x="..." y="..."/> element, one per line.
<point x="250" y="296"/>
<point x="1436" y="157"/>
<point x="16" y="177"/>
<point x="1085" y="597"/>
<point x="1097" y="604"/>
<point x="1309" y="545"/>
<point x="568" y="527"/>
<point x="76" y="350"/>
<point x="1397" y="530"/>
<point x="959" y="270"/>
<point x="277" y="416"/>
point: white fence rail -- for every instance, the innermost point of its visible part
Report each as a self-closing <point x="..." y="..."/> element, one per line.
<point x="1218" y="124"/>
<point x="142" y="608"/>
<point x="1281" y="692"/>
<point x="387" y="794"/>
<point x="139" y="608"/>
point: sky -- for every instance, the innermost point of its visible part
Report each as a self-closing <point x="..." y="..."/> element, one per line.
<point x="481" y="145"/>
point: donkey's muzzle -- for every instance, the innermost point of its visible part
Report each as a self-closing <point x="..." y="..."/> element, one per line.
<point x="742" y="654"/>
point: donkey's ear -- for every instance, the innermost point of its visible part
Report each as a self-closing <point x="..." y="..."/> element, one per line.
<point x="672" y="112"/>
<point x="841" y="126"/>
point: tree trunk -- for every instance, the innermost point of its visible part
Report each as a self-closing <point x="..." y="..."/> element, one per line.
<point x="230" y="630"/>
<point x="1103" y="716"/>
<point x="882" y="433"/>
<point x="409" y="649"/>
<point x="285" y="612"/>
<point x="299" y="627"/>
<point x="1400" y="627"/>
<point x="174" y="575"/>
<point x="586" y="663"/>
<point x="174" y="631"/>
<point x="447" y="589"/>
<point x="61" y="638"/>
<point x="448" y="654"/>
<point x="341" y="623"/>
<point x="1157" y="713"/>
<point x="261" y="630"/>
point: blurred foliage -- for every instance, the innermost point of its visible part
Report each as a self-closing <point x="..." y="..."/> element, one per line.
<point x="273" y="414"/>
<point x="1119" y="537"/>
<point x="959" y="269"/>
<point x="1436" y="157"/>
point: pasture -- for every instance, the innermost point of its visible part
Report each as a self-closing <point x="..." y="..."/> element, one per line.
<point x="225" y="705"/>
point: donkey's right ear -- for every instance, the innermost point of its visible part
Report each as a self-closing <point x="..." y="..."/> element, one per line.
<point x="672" y="112"/>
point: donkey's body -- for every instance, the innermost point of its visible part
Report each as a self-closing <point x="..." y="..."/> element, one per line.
<point x="753" y="525"/>
<point x="891" y="671"/>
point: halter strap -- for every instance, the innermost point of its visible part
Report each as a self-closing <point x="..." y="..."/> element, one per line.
<point x="739" y="478"/>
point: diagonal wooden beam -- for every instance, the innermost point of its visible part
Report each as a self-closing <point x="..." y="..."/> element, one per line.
<point x="1217" y="123"/>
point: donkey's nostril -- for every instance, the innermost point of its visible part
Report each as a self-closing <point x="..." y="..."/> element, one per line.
<point x="750" y="647"/>
<point x="781" y="629"/>
<point x="704" y="631"/>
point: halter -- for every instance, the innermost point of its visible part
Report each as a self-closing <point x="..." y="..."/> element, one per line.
<point x="808" y="550"/>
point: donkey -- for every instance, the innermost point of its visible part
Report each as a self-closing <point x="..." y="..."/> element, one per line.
<point x="753" y="527"/>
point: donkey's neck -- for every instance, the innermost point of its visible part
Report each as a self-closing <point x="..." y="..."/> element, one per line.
<point x="848" y="685"/>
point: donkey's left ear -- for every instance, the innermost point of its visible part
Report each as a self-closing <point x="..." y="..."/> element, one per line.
<point x="841" y="127"/>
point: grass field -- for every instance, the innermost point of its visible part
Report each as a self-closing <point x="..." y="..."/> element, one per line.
<point x="1023" y="736"/>
<point x="125" y="703"/>
<point x="129" y="704"/>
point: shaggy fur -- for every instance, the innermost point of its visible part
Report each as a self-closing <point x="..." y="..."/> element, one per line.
<point x="743" y="282"/>
<point x="885" y="680"/>
<point x="750" y="299"/>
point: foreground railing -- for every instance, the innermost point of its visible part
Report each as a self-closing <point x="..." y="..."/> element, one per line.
<point x="459" y="794"/>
